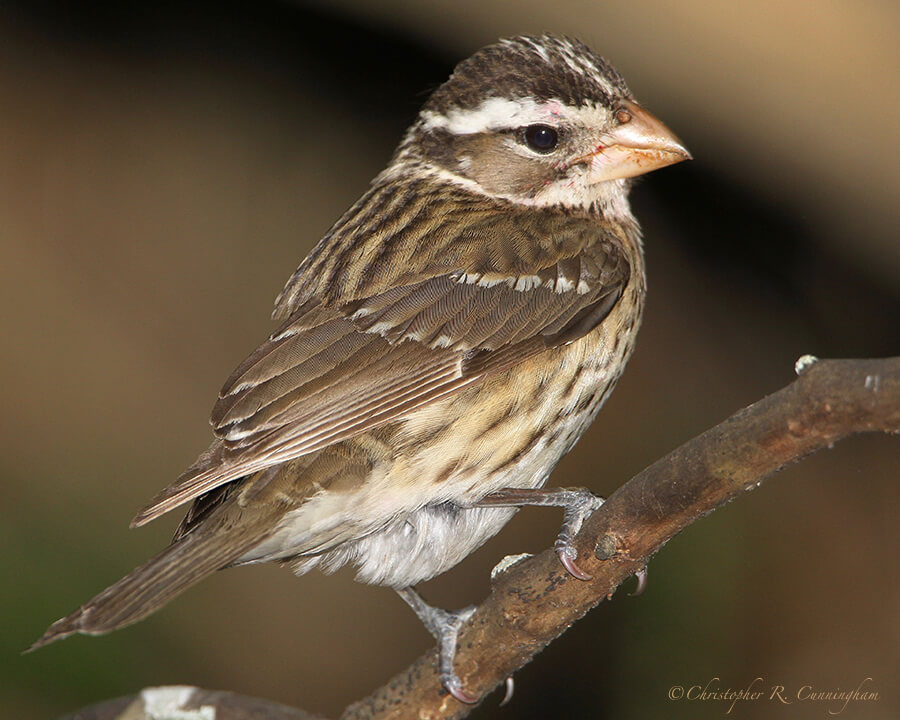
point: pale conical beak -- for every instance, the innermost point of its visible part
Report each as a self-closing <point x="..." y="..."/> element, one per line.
<point x="638" y="145"/>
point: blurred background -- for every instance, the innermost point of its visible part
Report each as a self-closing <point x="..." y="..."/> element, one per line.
<point x="165" y="166"/>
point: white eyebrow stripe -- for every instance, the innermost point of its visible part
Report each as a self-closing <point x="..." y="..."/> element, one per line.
<point x="492" y="114"/>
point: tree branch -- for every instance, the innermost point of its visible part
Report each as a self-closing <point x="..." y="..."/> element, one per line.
<point x="535" y="600"/>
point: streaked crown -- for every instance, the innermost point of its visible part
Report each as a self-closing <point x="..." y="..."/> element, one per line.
<point x="541" y="68"/>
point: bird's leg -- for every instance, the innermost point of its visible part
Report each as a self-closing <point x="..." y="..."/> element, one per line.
<point x="577" y="503"/>
<point x="444" y="625"/>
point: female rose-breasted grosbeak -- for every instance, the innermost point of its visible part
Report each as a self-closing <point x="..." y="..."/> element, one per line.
<point x="441" y="348"/>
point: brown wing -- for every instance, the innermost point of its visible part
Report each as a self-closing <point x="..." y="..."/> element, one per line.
<point x="400" y="233"/>
<point x="335" y="370"/>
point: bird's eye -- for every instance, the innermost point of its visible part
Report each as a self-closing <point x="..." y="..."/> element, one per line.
<point x="541" y="138"/>
<point x="623" y="116"/>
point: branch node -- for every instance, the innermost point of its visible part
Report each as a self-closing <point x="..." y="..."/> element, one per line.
<point x="607" y="546"/>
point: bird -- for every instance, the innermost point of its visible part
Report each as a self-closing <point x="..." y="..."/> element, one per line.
<point x="440" y="349"/>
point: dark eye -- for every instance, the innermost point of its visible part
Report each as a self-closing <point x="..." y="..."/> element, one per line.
<point x="541" y="138"/>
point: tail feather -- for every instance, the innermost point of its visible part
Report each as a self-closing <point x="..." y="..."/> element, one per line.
<point x="150" y="586"/>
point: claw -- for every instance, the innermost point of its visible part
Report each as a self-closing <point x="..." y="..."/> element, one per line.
<point x="641" y="576"/>
<point x="510" y="689"/>
<point x="567" y="557"/>
<point x="453" y="686"/>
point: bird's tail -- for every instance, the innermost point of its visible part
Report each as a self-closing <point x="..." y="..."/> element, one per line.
<point x="150" y="586"/>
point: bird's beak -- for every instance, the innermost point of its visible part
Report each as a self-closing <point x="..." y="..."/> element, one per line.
<point x="640" y="143"/>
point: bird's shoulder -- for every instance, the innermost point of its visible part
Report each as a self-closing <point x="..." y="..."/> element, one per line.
<point x="402" y="233"/>
<point x="404" y="303"/>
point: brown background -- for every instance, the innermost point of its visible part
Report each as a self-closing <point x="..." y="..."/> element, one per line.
<point x="163" y="169"/>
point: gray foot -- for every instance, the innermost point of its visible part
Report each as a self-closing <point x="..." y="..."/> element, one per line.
<point x="578" y="505"/>
<point x="444" y="625"/>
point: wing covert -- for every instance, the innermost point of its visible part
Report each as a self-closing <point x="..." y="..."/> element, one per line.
<point x="339" y="368"/>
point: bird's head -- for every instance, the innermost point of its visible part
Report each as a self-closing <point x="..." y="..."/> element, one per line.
<point x="539" y="121"/>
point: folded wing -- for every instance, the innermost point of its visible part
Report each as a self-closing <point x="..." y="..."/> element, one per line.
<point x="333" y="371"/>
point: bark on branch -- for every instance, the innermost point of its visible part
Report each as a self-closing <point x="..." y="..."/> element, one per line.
<point x="535" y="600"/>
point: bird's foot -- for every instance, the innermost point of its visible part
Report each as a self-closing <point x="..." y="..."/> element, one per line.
<point x="577" y="503"/>
<point x="444" y="625"/>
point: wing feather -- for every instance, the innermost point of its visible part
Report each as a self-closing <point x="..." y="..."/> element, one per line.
<point x="341" y="366"/>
